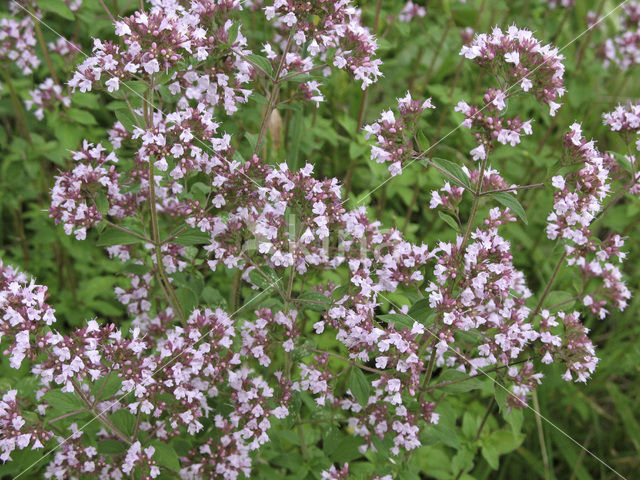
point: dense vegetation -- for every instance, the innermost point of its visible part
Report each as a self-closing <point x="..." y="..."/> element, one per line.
<point x="383" y="239"/>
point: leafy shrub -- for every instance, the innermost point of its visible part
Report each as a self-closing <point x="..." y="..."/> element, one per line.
<point x="238" y="284"/>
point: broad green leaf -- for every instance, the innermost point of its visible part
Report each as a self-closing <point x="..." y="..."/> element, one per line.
<point x="107" y="386"/>
<point x="165" y="455"/>
<point x="192" y="237"/>
<point x="491" y="456"/>
<point x="453" y="169"/>
<point x="315" y="301"/>
<point x="423" y="142"/>
<point x="102" y="203"/>
<point x="449" y="220"/>
<point x="110" y="446"/>
<point x="64" y="402"/>
<point x="422" y="312"/>
<point x="511" y="202"/>
<point x="452" y="375"/>
<point x="563" y="300"/>
<point x="113" y="236"/>
<point x="264" y="278"/>
<point x="359" y="386"/>
<point x="261" y="62"/>
<point x="441" y="433"/>
<point x="57" y="7"/>
<point x="211" y="296"/>
<point x="398" y="319"/>
<point x="124" y="421"/>
<point x="187" y="298"/>
<point x="126" y="118"/>
<point x="81" y="116"/>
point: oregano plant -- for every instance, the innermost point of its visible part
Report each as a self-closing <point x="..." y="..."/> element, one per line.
<point x="262" y="316"/>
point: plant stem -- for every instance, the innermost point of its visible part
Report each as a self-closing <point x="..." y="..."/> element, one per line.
<point x="463" y="59"/>
<point x="17" y="105"/>
<point x="432" y="361"/>
<point x="363" y="107"/>
<point x="155" y="229"/>
<point x="43" y="46"/>
<point x="547" y="288"/>
<point x="512" y="189"/>
<point x="543" y="445"/>
<point x="585" y="42"/>
<point x="335" y="355"/>
<point x="272" y="97"/>
<point x="100" y="415"/>
<point x="474" y="207"/>
<point x="485" y="417"/>
<point x="437" y="53"/>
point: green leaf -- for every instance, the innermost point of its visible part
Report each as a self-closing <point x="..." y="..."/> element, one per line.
<point x="295" y="137"/>
<point x="111" y="447"/>
<point x="359" y="386"/>
<point x="398" y="319"/>
<point x="165" y="455"/>
<point x="422" y="312"/>
<point x="453" y="169"/>
<point x="441" y="433"/>
<point x="625" y="412"/>
<point x="188" y="299"/>
<point x="102" y="203"/>
<point x="211" y="296"/>
<point x="113" y="236"/>
<point x="258" y="277"/>
<point x="192" y="237"/>
<point x="512" y="203"/>
<point x="451" y="375"/>
<point x="491" y="456"/>
<point x="126" y="118"/>
<point x="64" y="402"/>
<point x="423" y="142"/>
<point x="107" y="386"/>
<point x="564" y="300"/>
<point x="261" y="62"/>
<point x="449" y="220"/>
<point x="125" y="421"/>
<point x="314" y="301"/>
<point x="57" y="7"/>
<point x="96" y="286"/>
<point x="81" y="116"/>
<point x="503" y="441"/>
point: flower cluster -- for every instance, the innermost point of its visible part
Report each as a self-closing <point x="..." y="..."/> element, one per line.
<point x="74" y="201"/>
<point x="518" y="59"/>
<point x="394" y="142"/>
<point x="623" y="50"/>
<point x="411" y="11"/>
<point x="574" y="348"/>
<point x="577" y="201"/>
<point x="17" y="44"/>
<point x="325" y="26"/>
<point x="520" y="62"/>
<point x="47" y="96"/>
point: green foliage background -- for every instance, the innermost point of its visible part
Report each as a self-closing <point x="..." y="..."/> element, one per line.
<point x="421" y="56"/>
